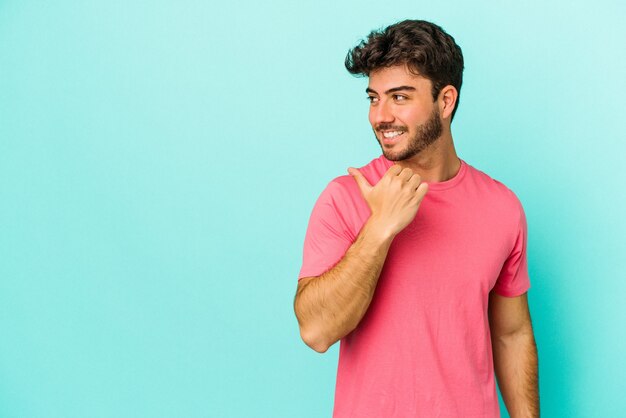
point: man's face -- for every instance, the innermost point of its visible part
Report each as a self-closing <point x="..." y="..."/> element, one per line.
<point x="402" y="113"/>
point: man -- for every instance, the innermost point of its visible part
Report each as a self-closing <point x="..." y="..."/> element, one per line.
<point x="417" y="261"/>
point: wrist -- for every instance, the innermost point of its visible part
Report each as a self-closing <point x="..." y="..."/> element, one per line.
<point x="379" y="230"/>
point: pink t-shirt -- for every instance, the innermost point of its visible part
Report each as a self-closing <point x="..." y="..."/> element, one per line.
<point x="423" y="348"/>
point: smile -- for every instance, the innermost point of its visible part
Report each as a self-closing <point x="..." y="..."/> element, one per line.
<point x="392" y="134"/>
<point x="391" y="137"/>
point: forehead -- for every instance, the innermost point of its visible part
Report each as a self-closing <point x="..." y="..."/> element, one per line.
<point x="387" y="78"/>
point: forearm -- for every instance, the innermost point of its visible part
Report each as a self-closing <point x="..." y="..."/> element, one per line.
<point x="515" y="362"/>
<point x="328" y="307"/>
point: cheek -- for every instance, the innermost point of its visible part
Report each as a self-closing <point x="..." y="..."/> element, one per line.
<point x="411" y="117"/>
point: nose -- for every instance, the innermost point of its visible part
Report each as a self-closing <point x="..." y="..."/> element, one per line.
<point x="381" y="113"/>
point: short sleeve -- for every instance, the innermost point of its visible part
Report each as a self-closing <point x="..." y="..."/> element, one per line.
<point x="513" y="279"/>
<point x="328" y="235"/>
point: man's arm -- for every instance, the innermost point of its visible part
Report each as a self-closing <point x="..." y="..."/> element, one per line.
<point x="331" y="305"/>
<point x="514" y="354"/>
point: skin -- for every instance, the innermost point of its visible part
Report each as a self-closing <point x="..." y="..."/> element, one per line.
<point x="331" y="305"/>
<point x="410" y="109"/>
<point x="514" y="354"/>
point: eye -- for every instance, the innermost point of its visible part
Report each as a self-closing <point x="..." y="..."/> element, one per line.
<point x="372" y="99"/>
<point x="399" y="97"/>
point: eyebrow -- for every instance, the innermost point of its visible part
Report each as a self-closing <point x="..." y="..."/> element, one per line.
<point x="392" y="90"/>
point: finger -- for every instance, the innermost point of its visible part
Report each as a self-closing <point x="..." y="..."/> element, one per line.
<point x="394" y="170"/>
<point x="406" y="174"/>
<point x="421" y="191"/>
<point x="415" y="181"/>
<point x="361" y="181"/>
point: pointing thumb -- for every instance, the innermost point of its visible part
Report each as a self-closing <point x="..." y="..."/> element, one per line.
<point x="361" y="181"/>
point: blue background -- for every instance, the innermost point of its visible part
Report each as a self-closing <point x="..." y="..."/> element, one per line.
<point x="159" y="162"/>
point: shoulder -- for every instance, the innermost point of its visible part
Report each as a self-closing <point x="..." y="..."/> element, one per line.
<point x="340" y="193"/>
<point x="495" y="192"/>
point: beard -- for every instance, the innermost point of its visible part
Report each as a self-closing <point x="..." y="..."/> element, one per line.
<point x="425" y="135"/>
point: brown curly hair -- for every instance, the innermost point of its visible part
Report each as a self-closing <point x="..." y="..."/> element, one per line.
<point x="424" y="47"/>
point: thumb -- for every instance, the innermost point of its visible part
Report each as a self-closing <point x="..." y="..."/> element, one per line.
<point x="361" y="181"/>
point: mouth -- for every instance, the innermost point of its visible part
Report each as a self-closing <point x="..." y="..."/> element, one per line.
<point x="391" y="137"/>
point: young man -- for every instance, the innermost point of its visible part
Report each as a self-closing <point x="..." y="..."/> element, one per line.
<point x="417" y="261"/>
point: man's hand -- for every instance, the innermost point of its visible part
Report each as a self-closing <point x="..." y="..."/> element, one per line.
<point x="394" y="200"/>
<point x="331" y="305"/>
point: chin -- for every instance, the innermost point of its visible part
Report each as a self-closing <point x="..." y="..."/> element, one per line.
<point x="391" y="156"/>
<point x="400" y="155"/>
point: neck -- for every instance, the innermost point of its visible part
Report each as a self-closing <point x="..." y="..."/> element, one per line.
<point x="436" y="163"/>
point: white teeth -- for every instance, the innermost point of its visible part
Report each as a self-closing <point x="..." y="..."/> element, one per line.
<point x="391" y="134"/>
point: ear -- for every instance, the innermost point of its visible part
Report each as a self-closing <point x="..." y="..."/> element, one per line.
<point x="447" y="101"/>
